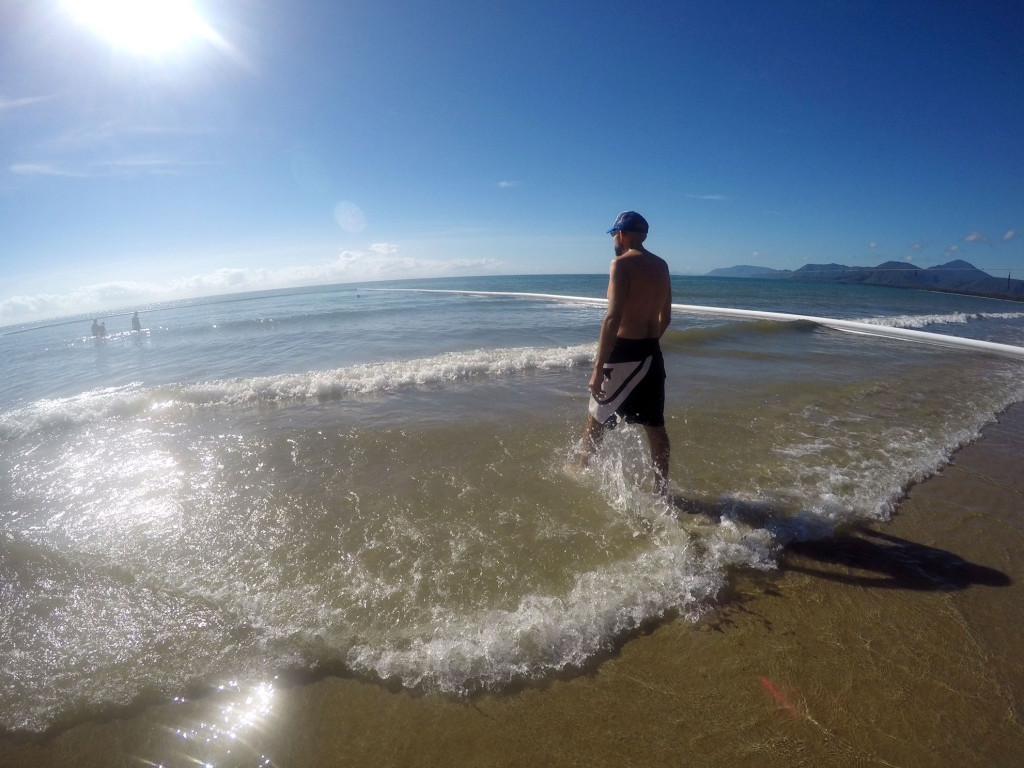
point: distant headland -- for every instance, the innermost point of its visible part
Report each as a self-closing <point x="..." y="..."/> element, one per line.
<point x="953" y="277"/>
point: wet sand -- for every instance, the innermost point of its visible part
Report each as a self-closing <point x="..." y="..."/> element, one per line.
<point x="894" y="645"/>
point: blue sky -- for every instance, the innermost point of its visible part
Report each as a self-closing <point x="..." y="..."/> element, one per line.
<point x="256" y="145"/>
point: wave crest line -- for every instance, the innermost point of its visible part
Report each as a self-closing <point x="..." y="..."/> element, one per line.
<point x="848" y="326"/>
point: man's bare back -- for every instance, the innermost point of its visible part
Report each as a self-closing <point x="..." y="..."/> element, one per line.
<point x="640" y="281"/>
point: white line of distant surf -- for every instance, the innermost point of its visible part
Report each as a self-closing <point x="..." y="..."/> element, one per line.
<point x="849" y="326"/>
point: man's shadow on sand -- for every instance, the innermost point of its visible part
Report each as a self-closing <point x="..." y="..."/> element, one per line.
<point x="873" y="558"/>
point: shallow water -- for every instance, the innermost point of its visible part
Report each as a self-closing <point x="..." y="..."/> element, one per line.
<point x="893" y="644"/>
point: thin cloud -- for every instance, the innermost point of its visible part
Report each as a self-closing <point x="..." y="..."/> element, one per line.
<point x="714" y="198"/>
<point x="975" y="237"/>
<point x="872" y="245"/>
<point x="113" y="132"/>
<point x="123" y="167"/>
<point x="1011" y="235"/>
<point x="26" y="101"/>
<point x="507" y="184"/>
<point x="112" y="149"/>
<point x="134" y="166"/>
<point x="43" y="169"/>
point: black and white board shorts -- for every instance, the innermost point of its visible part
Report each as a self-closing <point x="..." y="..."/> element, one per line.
<point x="634" y="385"/>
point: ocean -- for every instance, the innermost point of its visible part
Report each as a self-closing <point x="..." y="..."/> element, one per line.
<point x="377" y="484"/>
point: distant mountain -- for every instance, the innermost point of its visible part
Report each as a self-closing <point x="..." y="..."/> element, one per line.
<point x="745" y="270"/>
<point x="953" y="277"/>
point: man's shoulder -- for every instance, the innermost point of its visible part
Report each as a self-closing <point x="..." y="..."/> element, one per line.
<point x="657" y="259"/>
<point x="639" y="263"/>
<point x="643" y="261"/>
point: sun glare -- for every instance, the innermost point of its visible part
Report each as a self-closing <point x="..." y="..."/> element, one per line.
<point x="148" y="27"/>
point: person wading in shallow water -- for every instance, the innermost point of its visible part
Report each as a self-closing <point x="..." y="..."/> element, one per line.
<point x="628" y="381"/>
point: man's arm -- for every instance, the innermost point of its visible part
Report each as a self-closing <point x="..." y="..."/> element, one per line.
<point x="617" y="291"/>
<point x="665" y="316"/>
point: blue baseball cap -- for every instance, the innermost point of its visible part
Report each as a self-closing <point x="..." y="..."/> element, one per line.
<point x="629" y="221"/>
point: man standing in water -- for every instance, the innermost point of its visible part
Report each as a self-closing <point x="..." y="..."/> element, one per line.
<point x="629" y="372"/>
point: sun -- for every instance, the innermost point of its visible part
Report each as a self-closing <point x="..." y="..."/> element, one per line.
<point x="150" y="27"/>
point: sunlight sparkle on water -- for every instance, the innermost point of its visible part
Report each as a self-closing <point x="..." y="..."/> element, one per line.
<point x="244" y="711"/>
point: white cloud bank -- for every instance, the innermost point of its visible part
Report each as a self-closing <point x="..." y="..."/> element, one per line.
<point x="380" y="261"/>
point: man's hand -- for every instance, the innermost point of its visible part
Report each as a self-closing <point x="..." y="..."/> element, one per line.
<point x="596" y="383"/>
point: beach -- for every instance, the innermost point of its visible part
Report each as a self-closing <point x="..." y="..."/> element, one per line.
<point x="894" y="644"/>
<point x="341" y="527"/>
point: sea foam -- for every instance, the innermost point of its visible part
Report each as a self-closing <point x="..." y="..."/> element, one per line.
<point x="134" y="399"/>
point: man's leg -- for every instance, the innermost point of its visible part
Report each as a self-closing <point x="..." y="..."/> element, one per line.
<point x="660" y="450"/>
<point x="592" y="437"/>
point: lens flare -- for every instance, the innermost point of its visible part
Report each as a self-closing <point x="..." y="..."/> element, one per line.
<point x="350" y="217"/>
